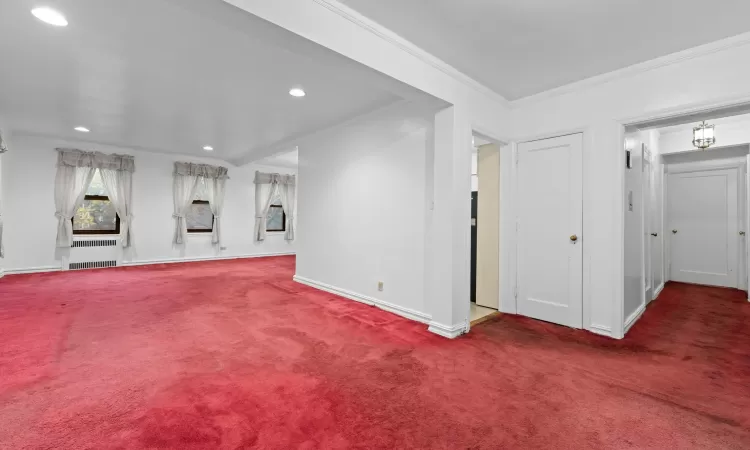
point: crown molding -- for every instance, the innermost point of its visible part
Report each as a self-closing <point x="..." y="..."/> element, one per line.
<point x="407" y="46"/>
<point x="629" y="71"/>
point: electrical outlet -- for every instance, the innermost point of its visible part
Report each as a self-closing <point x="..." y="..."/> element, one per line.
<point x="380" y="286"/>
<point x="222" y="248"/>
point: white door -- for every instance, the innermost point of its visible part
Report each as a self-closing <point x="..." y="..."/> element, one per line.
<point x="703" y="227"/>
<point x="647" y="225"/>
<point x="550" y="247"/>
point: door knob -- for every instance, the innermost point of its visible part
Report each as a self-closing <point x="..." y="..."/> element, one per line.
<point x="674" y="231"/>
<point x="574" y="238"/>
<point x="742" y="233"/>
<point x="654" y="234"/>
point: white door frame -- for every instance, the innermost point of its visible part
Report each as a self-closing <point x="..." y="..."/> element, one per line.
<point x="618" y="174"/>
<point x="741" y="165"/>
<point x="506" y="149"/>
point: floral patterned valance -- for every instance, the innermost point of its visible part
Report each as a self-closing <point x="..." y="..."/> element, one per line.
<point x="200" y="170"/>
<point x="78" y="158"/>
<point x="275" y="178"/>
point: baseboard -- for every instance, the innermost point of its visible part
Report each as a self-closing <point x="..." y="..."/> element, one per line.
<point x="149" y="262"/>
<point x="657" y="291"/>
<point x="367" y="300"/>
<point x="43" y="269"/>
<point x="40" y="269"/>
<point x="600" y="330"/>
<point x="450" y="332"/>
<point x="634" y="318"/>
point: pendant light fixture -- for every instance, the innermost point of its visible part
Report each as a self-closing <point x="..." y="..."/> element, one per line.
<point x="703" y="136"/>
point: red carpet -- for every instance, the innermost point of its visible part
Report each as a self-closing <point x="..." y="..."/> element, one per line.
<point x="232" y="354"/>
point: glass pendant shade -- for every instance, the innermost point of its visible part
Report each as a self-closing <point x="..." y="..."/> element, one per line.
<point x="703" y="136"/>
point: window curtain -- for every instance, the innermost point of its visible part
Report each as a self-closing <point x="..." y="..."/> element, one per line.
<point x="187" y="178"/>
<point x="119" y="187"/>
<point x="267" y="187"/>
<point x="70" y="188"/>
<point x="263" y="198"/>
<point x="215" y="195"/>
<point x="287" y="193"/>
<point x="75" y="169"/>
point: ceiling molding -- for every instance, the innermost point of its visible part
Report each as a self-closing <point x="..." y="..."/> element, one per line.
<point x="407" y="46"/>
<point x="656" y="63"/>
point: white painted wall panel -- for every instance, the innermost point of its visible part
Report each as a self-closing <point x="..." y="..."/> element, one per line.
<point x="362" y="209"/>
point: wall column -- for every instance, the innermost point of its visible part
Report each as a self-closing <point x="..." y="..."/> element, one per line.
<point x="449" y="244"/>
<point x="3" y="145"/>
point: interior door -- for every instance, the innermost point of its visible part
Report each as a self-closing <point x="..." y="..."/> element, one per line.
<point x="550" y="246"/>
<point x="703" y="227"/>
<point x="647" y="225"/>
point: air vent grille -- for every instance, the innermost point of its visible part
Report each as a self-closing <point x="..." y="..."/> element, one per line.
<point x="92" y="265"/>
<point x="95" y="243"/>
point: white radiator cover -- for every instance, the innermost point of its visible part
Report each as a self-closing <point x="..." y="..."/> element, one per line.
<point x="94" y="250"/>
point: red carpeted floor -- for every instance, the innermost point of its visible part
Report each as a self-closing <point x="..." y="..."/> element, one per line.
<point x="233" y="354"/>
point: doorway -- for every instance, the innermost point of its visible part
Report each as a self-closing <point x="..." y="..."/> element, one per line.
<point x="485" y="229"/>
<point x="686" y="206"/>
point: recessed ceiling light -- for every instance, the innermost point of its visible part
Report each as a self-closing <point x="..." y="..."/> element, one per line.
<point x="82" y="129"/>
<point x="297" y="92"/>
<point x="208" y="148"/>
<point x="50" y="16"/>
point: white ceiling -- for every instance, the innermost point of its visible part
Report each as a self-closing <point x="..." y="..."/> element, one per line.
<point x="523" y="47"/>
<point x="174" y="75"/>
<point x="289" y="160"/>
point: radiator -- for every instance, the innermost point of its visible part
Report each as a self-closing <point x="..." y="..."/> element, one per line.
<point x="93" y="254"/>
<point x="92" y="265"/>
<point x="95" y="243"/>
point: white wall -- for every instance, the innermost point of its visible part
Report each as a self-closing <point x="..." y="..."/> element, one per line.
<point x="729" y="132"/>
<point x="6" y="137"/>
<point x="709" y="76"/>
<point x="29" y="174"/>
<point x="362" y="209"/>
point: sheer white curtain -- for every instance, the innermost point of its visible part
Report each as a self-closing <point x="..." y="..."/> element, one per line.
<point x="70" y="188"/>
<point x="184" y="188"/>
<point x="288" y="192"/>
<point x="215" y="195"/>
<point x="119" y="187"/>
<point x="264" y="194"/>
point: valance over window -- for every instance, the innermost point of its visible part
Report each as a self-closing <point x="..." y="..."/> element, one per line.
<point x="187" y="177"/>
<point x="75" y="170"/>
<point x="96" y="160"/>
<point x="267" y="187"/>
<point x="200" y="170"/>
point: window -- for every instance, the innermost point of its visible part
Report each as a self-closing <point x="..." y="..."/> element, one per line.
<point x="97" y="215"/>
<point x="200" y="219"/>
<point x="276" y="220"/>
